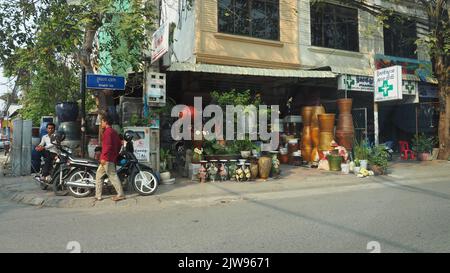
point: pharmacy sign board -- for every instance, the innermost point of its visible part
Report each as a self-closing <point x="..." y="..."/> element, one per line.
<point x="388" y="84"/>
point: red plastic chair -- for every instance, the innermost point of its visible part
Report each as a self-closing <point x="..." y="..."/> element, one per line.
<point x="405" y="150"/>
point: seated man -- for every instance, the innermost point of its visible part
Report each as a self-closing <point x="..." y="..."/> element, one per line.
<point x="49" y="150"/>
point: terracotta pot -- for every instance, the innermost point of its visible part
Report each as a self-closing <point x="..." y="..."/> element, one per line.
<point x="306" y="137"/>
<point x="345" y="139"/>
<point x="284" y="158"/>
<point x="345" y="122"/>
<point x="334" y="163"/>
<point x="254" y="170"/>
<point x="326" y="122"/>
<point x="424" y="156"/>
<point x="315" y="137"/>
<point x="377" y="170"/>
<point x="293" y="147"/>
<point x="306" y="115"/>
<point x="306" y="153"/>
<point x="317" y="110"/>
<point x="325" y="139"/>
<point x="314" y="156"/>
<point x="264" y="166"/>
<point x="345" y="106"/>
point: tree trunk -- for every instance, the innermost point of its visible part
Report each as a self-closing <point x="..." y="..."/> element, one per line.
<point x="442" y="72"/>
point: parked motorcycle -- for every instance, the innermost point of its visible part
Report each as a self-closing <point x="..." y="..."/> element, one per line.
<point x="60" y="168"/>
<point x="132" y="174"/>
<point x="389" y="145"/>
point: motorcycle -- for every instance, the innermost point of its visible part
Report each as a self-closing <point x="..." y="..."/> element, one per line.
<point x="389" y="149"/>
<point x="60" y="169"/>
<point x="132" y="174"/>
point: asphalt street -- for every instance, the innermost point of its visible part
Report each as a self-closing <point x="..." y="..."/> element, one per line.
<point x="389" y="216"/>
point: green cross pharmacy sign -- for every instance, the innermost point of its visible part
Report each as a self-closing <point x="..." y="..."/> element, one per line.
<point x="388" y="84"/>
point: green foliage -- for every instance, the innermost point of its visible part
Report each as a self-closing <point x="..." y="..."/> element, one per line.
<point x="211" y="147"/>
<point x="379" y="156"/>
<point x="234" y="97"/>
<point x="361" y="150"/>
<point x="164" y="157"/>
<point x="244" y="145"/>
<point x="423" y="144"/>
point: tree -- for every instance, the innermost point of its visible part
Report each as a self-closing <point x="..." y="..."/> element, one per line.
<point x="47" y="42"/>
<point x="437" y="40"/>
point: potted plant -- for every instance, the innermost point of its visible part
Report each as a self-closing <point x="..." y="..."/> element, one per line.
<point x="423" y="146"/>
<point x="164" y="156"/>
<point x="357" y="167"/>
<point x="245" y="147"/>
<point x="378" y="160"/>
<point x="362" y="151"/>
<point x="334" y="160"/>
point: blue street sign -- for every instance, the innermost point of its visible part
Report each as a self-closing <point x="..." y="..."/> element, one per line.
<point x="94" y="81"/>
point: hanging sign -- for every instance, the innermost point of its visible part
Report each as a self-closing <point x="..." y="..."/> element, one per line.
<point x="388" y="84"/>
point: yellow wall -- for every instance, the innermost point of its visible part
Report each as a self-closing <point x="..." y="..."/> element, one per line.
<point x="220" y="48"/>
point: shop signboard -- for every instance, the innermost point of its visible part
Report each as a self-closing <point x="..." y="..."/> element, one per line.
<point x="365" y="84"/>
<point x="141" y="142"/>
<point x="422" y="69"/>
<point x="160" y="42"/>
<point x="355" y="83"/>
<point x="388" y="84"/>
<point x="97" y="81"/>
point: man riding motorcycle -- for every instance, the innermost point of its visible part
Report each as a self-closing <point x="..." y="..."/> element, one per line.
<point x="48" y="150"/>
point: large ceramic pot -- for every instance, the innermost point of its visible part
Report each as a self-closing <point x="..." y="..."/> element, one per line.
<point x="284" y="158"/>
<point x="71" y="129"/>
<point x="254" y="169"/>
<point x="334" y="162"/>
<point x="345" y="131"/>
<point x="67" y="111"/>
<point x="264" y="166"/>
<point x="306" y="115"/>
<point x="325" y="139"/>
<point x="316" y="110"/>
<point x="326" y="122"/>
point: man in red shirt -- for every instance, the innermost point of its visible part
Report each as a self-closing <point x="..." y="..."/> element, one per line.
<point x="111" y="145"/>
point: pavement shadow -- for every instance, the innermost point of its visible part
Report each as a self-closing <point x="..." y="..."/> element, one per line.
<point x="324" y="222"/>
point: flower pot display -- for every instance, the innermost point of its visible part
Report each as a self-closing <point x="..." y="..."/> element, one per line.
<point x="306" y="146"/>
<point x="202" y="172"/>
<point x="284" y="158"/>
<point x="345" y="168"/>
<point x="212" y="170"/>
<point x="232" y="166"/>
<point x="223" y="170"/>
<point x="345" y="131"/>
<point x="264" y="166"/>
<point x="254" y="169"/>
<point x="326" y="128"/>
<point x="316" y="110"/>
<point x="424" y="156"/>
<point x="334" y="161"/>
<point x="363" y="163"/>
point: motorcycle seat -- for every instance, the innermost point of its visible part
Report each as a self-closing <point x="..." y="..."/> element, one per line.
<point x="83" y="161"/>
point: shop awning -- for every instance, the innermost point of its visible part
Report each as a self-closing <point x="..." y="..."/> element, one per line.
<point x="239" y="70"/>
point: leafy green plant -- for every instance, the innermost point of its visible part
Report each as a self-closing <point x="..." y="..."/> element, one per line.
<point x="423" y="144"/>
<point x="361" y="150"/>
<point x="379" y="156"/>
<point x="164" y="157"/>
<point x="357" y="163"/>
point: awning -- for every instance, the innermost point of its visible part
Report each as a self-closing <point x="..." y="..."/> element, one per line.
<point x="251" y="71"/>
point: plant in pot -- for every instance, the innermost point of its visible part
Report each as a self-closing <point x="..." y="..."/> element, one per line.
<point x="423" y="145"/>
<point x="334" y="160"/>
<point x="245" y="147"/>
<point x="378" y="160"/>
<point x="164" y="156"/>
<point x="357" y="167"/>
<point x="362" y="151"/>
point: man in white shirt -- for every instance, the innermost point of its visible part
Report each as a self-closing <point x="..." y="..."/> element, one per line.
<point x="49" y="150"/>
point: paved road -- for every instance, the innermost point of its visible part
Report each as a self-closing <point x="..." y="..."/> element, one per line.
<point x="399" y="216"/>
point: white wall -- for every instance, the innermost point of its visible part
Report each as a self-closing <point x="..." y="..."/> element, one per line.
<point x="178" y="12"/>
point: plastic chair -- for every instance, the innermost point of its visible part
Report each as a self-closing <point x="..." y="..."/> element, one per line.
<point x="405" y="150"/>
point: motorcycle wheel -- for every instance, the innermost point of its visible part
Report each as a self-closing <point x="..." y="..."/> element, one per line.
<point x="77" y="176"/>
<point x="59" y="188"/>
<point x="144" y="185"/>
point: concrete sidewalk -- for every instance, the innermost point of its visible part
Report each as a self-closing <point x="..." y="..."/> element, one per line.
<point x="294" y="180"/>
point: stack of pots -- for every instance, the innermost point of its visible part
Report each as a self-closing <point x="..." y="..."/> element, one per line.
<point x="326" y="127"/>
<point x="316" y="110"/>
<point x="345" y="131"/>
<point x="306" y="144"/>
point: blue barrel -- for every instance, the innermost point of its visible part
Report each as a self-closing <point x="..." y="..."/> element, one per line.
<point x="43" y="129"/>
<point x="67" y="111"/>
